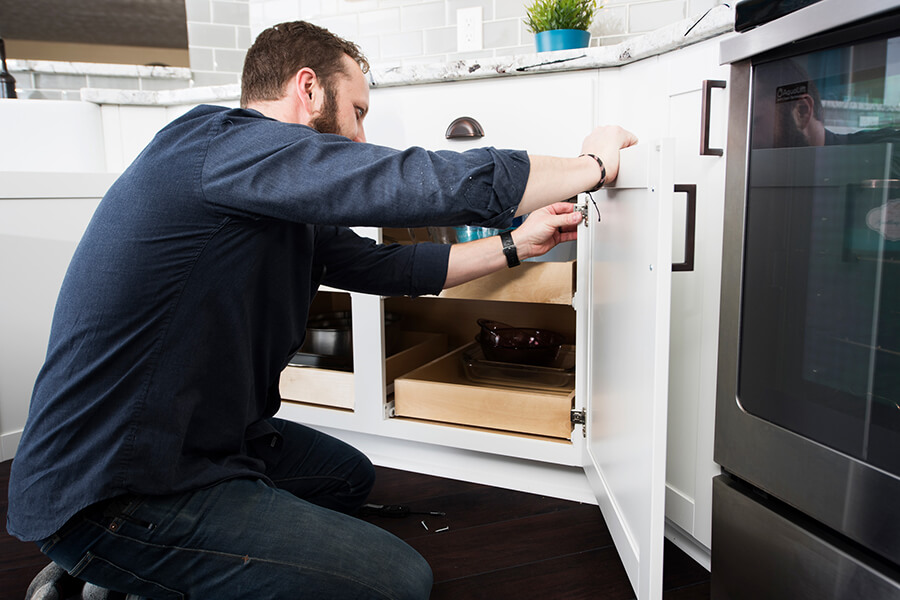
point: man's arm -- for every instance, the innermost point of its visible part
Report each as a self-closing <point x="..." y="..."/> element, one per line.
<point x="541" y="231"/>
<point x="552" y="179"/>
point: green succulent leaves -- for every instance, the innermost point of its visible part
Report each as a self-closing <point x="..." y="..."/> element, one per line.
<point x="545" y="15"/>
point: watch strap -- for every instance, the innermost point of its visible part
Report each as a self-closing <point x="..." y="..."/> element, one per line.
<point x="509" y="249"/>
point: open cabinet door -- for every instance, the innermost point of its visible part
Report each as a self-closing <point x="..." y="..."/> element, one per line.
<point x="628" y="354"/>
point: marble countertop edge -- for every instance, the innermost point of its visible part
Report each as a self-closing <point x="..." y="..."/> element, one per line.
<point x="104" y="69"/>
<point x="715" y="22"/>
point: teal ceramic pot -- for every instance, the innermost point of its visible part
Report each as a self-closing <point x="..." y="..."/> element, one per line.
<point x="562" y="39"/>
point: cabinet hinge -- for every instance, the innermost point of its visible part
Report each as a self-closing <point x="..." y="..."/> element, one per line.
<point x="578" y="417"/>
<point x="583" y="209"/>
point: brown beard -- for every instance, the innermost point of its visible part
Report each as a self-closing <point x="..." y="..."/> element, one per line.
<point x="326" y="121"/>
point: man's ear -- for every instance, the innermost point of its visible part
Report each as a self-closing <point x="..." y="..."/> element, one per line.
<point x="305" y="86"/>
<point x="803" y="111"/>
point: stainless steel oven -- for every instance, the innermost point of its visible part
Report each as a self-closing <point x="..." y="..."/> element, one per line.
<point x="808" y="399"/>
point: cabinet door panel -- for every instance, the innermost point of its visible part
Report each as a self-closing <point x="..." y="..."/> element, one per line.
<point x="631" y="257"/>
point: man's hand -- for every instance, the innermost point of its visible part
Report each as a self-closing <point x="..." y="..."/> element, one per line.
<point x="541" y="231"/>
<point x="605" y="142"/>
<point x="552" y="179"/>
<point x="545" y="228"/>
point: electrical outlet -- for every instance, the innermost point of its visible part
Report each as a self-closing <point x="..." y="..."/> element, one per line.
<point x="468" y="29"/>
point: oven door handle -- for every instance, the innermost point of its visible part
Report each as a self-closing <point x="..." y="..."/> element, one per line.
<point x="708" y="85"/>
<point x="690" y="225"/>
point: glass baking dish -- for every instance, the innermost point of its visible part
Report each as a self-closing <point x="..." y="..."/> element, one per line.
<point x="560" y="375"/>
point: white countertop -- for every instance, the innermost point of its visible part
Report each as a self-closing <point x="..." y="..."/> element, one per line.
<point x="717" y="21"/>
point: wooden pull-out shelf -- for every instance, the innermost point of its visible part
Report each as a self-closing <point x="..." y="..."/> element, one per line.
<point x="335" y="389"/>
<point x="440" y="391"/>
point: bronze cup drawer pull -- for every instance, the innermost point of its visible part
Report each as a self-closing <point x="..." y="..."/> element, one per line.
<point x="464" y="127"/>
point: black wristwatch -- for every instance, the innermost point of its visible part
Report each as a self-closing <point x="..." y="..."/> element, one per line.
<point x="509" y="249"/>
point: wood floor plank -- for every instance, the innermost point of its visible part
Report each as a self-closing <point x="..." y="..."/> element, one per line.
<point x="502" y="545"/>
<point x="562" y="578"/>
<point x="699" y="591"/>
<point x="474" y="506"/>
<point x="406" y="487"/>
<point x="679" y="569"/>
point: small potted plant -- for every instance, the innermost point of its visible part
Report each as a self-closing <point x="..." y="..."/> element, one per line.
<point x="561" y="24"/>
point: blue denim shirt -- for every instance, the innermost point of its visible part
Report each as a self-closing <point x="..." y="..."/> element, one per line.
<point x="190" y="289"/>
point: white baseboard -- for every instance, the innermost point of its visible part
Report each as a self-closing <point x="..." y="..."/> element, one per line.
<point x="688" y="544"/>
<point x="8" y="444"/>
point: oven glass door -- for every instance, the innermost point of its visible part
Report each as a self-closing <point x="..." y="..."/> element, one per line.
<point x="820" y="313"/>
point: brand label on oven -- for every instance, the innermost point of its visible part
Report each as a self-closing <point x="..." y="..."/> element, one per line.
<point x="787" y="93"/>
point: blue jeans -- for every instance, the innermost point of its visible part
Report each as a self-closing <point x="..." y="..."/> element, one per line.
<point x="245" y="539"/>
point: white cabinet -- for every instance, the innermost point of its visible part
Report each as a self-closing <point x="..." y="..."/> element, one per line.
<point x="42" y="218"/>
<point x="617" y="361"/>
<point x="617" y="315"/>
<point x="691" y="76"/>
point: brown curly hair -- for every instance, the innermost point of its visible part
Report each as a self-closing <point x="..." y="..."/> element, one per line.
<point x="282" y="50"/>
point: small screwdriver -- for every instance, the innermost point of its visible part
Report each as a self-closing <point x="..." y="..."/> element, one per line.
<point x="394" y="510"/>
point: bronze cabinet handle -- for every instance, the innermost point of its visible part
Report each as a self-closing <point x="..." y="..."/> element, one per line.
<point x="705" y="150"/>
<point x="690" y="226"/>
<point x="464" y="127"/>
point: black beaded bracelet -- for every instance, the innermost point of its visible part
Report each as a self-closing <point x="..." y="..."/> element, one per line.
<point x="509" y="250"/>
<point x="602" y="170"/>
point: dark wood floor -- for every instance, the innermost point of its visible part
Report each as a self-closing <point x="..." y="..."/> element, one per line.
<point x="499" y="544"/>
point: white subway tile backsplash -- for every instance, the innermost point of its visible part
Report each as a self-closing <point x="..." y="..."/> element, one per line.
<point x="204" y="78"/>
<point x="380" y="21"/>
<point x="356" y="6"/>
<point x="279" y="11"/>
<point x="228" y="12"/>
<point x="198" y="10"/>
<point x="309" y="8"/>
<point x="370" y="46"/>
<point x="440" y="41"/>
<point x="695" y="8"/>
<point x="52" y="81"/>
<point x="423" y="16"/>
<point x="201" y="59"/>
<point x="653" y="15"/>
<point x="345" y="26"/>
<point x="206" y="35"/>
<point x="612" y="20"/>
<point x="501" y="34"/>
<point x="487" y="9"/>
<point x="228" y="61"/>
<point x="244" y="38"/>
<point x="505" y="9"/>
<point x="116" y="83"/>
<point x="402" y="45"/>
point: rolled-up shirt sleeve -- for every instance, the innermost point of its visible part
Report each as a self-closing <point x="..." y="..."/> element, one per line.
<point x="350" y="262"/>
<point x="259" y="166"/>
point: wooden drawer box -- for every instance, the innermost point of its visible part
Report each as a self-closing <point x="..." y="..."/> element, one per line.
<point x="543" y="282"/>
<point x="440" y="391"/>
<point x="335" y="388"/>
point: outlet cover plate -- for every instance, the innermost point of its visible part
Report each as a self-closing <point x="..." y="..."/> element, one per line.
<point x="469" y="29"/>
